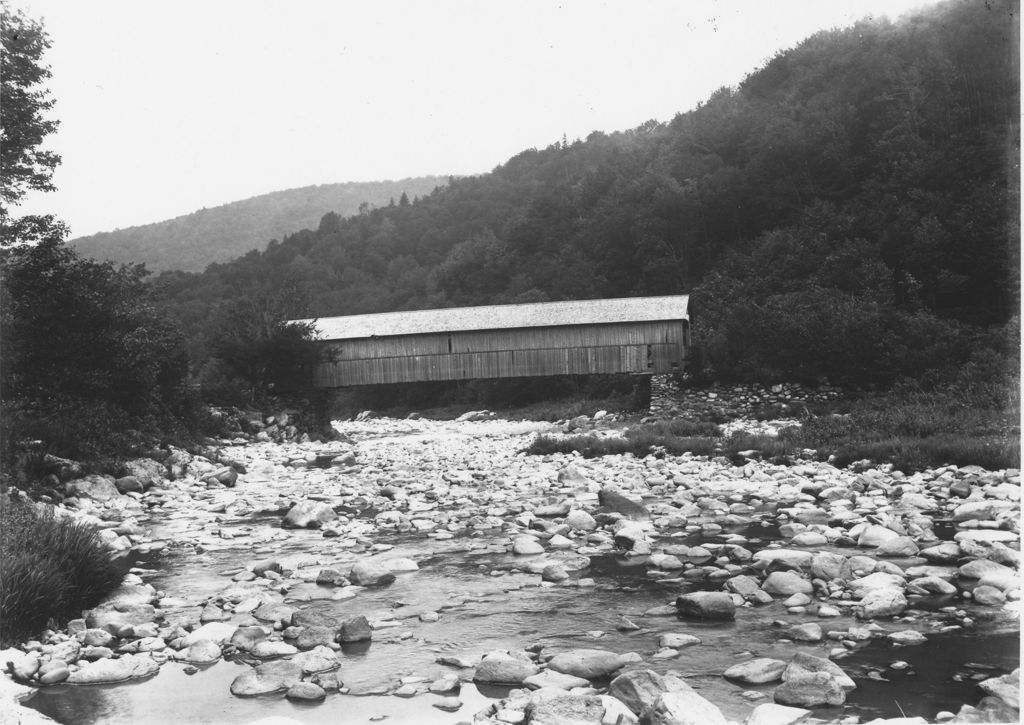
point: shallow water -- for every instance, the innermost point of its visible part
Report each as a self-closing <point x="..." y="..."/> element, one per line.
<point x="485" y="606"/>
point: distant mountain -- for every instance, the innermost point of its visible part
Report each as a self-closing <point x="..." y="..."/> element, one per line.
<point x="189" y="243"/>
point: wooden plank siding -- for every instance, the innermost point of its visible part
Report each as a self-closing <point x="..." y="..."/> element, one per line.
<point x="637" y="347"/>
<point x="540" y="338"/>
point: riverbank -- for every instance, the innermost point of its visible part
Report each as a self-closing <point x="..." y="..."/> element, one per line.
<point x="453" y="545"/>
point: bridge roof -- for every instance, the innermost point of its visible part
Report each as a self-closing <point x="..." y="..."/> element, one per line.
<point x="494" y="317"/>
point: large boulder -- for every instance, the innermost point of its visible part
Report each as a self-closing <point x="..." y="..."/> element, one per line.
<point x="274" y="612"/>
<point x="93" y="487"/>
<point x="550" y="678"/>
<point x="748" y="588"/>
<point x="371" y="574"/>
<point x="220" y="633"/>
<point x="931" y="585"/>
<point x="874" y="535"/>
<point x="308" y="515"/>
<point x="881" y="603"/>
<point x="771" y="714"/>
<point x="804" y="664"/>
<point x="756" y="671"/>
<point x="270" y="649"/>
<point x="983" y="567"/>
<point x="526" y="546"/>
<point x="355" y="629"/>
<point x="317" y="659"/>
<point x="245" y="638"/>
<point x="267" y="678"/>
<point x="203" y="652"/>
<point x="586" y="663"/>
<point x="128" y="484"/>
<point x="814" y="689"/>
<point x="177" y="463"/>
<point x="566" y="710"/>
<point x="501" y="668"/>
<point x="311" y="637"/>
<point x="786" y="583"/>
<point x="807" y="632"/>
<point x="901" y="546"/>
<point x="1005" y="688"/>
<point x="632" y="537"/>
<point x="552" y="510"/>
<point x="946" y="552"/>
<point x="224" y="476"/>
<point x="980" y="510"/>
<point x="706" y="605"/>
<point x="684" y="708"/>
<point x="640" y="689"/>
<point x="876" y="581"/>
<point x="147" y="471"/>
<point x="580" y="520"/>
<point x="614" y="500"/>
<point x="826" y="565"/>
<point x="788" y="558"/>
<point x="306" y="692"/>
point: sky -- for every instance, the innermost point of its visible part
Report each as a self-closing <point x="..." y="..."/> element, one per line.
<point x="169" y="107"/>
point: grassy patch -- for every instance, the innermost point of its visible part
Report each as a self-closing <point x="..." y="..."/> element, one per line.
<point x="638" y="440"/>
<point x="912" y="429"/>
<point x="50" y="569"/>
<point x="588" y="446"/>
<point x="550" y="410"/>
<point x="915" y="454"/>
<point x="680" y="427"/>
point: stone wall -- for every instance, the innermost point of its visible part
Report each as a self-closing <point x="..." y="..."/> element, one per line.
<point x="669" y="398"/>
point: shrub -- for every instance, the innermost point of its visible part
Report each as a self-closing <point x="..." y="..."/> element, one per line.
<point x="639" y="440"/>
<point x="50" y="569"/>
<point x="681" y="427"/>
<point x="972" y="420"/>
<point x="588" y="446"/>
<point x="765" y="447"/>
<point x="87" y="362"/>
<point x="915" y="454"/>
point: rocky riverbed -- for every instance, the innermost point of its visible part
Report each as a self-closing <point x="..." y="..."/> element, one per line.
<point x="429" y="572"/>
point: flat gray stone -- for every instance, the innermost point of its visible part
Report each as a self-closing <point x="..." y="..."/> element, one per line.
<point x="586" y="663"/>
<point x="103" y="672"/>
<point x="756" y="671"/>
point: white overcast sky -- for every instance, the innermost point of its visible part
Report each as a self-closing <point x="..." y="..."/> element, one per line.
<point x="167" y="107"/>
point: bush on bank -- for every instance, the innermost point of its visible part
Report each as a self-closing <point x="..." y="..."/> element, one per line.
<point x="88" y="365"/>
<point x="968" y="417"/>
<point x="50" y="569"/>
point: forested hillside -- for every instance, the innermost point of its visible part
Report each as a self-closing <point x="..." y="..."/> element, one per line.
<point x="222" y="233"/>
<point x="849" y="210"/>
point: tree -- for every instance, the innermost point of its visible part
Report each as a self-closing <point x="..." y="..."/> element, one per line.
<point x="24" y="103"/>
<point x="252" y="345"/>
<point x="87" y="362"/>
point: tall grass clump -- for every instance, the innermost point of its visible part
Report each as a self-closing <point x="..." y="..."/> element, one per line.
<point x="971" y="420"/>
<point x="50" y="569"/>
<point x="588" y="446"/>
<point x="640" y="440"/>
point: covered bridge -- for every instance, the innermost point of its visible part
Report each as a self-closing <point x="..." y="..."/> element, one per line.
<point x="629" y="335"/>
